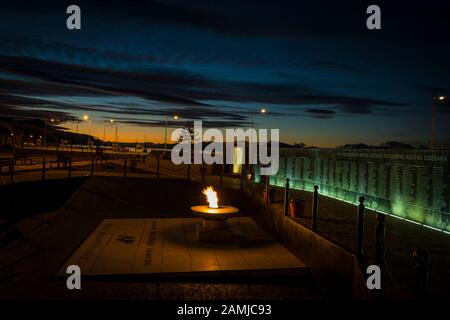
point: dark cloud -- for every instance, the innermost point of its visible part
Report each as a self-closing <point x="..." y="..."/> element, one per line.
<point x="179" y="124"/>
<point x="166" y="86"/>
<point x="18" y="113"/>
<point x="287" y="18"/>
<point x="353" y="105"/>
<point x="103" y="81"/>
<point x="177" y="92"/>
<point x="321" y="113"/>
<point x="409" y="21"/>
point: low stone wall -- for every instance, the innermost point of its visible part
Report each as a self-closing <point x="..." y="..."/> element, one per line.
<point x="334" y="269"/>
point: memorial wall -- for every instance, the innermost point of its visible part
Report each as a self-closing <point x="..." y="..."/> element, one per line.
<point x="413" y="184"/>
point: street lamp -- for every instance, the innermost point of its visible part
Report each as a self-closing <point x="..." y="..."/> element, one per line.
<point x="86" y="118"/>
<point x="175" y="117"/>
<point x="433" y="116"/>
<point x="116" y="137"/>
<point x="262" y="111"/>
<point x="45" y="131"/>
<point x="111" y="121"/>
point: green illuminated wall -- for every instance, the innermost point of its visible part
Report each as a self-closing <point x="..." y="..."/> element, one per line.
<point x="412" y="184"/>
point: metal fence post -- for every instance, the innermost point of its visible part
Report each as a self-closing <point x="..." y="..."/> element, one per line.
<point x="420" y="280"/>
<point x="360" y="229"/>
<point x="242" y="179"/>
<point x="11" y="171"/>
<point x="286" y="198"/>
<point x="315" y="209"/>
<point x="70" y="168"/>
<point x="380" y="233"/>
<point x="251" y="176"/>
<point x="157" y="168"/>
<point x="43" y="169"/>
<point x="267" y="191"/>
<point x="92" y="165"/>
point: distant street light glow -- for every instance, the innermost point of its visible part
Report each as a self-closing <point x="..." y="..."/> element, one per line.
<point x="175" y="117"/>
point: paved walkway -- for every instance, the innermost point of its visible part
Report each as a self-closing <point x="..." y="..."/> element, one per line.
<point x="167" y="246"/>
<point x="28" y="265"/>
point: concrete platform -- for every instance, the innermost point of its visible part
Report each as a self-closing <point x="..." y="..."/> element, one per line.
<point x="170" y="246"/>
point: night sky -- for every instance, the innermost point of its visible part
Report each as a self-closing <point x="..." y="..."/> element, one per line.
<point x="325" y="79"/>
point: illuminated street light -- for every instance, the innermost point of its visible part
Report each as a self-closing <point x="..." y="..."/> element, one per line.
<point x="52" y="120"/>
<point x="175" y="117"/>
<point x="262" y="111"/>
<point x="111" y="121"/>
<point x="86" y="118"/>
<point x="433" y="116"/>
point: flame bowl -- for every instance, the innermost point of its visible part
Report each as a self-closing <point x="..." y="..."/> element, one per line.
<point x="221" y="213"/>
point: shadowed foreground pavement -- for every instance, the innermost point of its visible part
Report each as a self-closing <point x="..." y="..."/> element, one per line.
<point x="47" y="240"/>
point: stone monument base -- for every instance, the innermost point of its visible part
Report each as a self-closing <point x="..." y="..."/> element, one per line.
<point x="205" y="234"/>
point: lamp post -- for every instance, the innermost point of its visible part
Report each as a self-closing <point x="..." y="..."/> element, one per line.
<point x="86" y="118"/>
<point x="117" y="126"/>
<point x="434" y="100"/>
<point x="45" y="131"/>
<point x="261" y="111"/>
<point x="175" y="117"/>
<point x="111" y="121"/>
